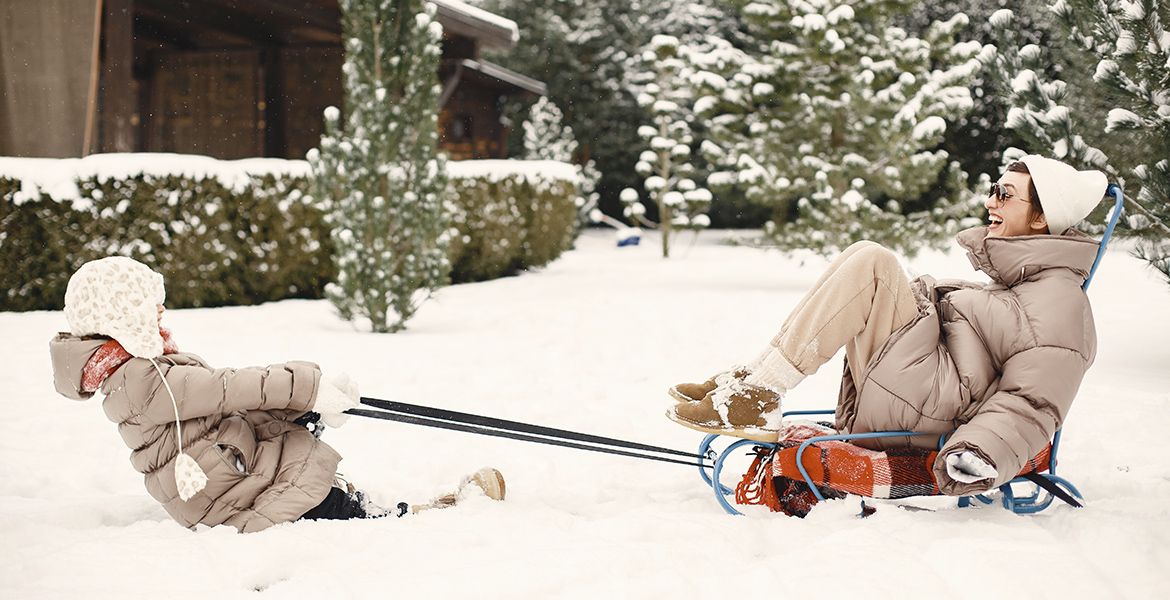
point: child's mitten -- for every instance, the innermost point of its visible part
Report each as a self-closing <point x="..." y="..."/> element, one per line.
<point x="334" y="397"/>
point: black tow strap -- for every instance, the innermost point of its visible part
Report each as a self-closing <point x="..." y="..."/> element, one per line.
<point x="1051" y="487"/>
<point x="428" y="416"/>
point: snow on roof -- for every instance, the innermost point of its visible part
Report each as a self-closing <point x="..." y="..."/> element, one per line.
<point x="510" y="77"/>
<point x="481" y="15"/>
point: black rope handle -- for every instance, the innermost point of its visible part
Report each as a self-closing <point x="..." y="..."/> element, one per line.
<point x="415" y="420"/>
<point x="494" y="423"/>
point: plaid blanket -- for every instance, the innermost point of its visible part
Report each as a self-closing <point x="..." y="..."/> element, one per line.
<point x="838" y="468"/>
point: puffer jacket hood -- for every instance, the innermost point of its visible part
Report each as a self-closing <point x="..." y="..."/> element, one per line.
<point x="69" y="355"/>
<point x="1010" y="260"/>
<point x="997" y="364"/>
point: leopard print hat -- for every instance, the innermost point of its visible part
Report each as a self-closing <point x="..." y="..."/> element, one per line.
<point x="117" y="297"/>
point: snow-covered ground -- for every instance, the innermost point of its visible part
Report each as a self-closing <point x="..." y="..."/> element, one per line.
<point x="589" y="343"/>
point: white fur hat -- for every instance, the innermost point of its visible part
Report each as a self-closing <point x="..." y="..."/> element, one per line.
<point x="119" y="297"/>
<point x="1067" y="195"/>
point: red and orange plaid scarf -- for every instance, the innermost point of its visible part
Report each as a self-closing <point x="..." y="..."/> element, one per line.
<point x="838" y="468"/>
<point x="112" y="355"/>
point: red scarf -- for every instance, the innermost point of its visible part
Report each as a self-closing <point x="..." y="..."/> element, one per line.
<point x="112" y="355"/>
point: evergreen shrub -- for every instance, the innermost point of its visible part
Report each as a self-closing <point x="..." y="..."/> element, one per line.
<point x="503" y="225"/>
<point x="220" y="245"/>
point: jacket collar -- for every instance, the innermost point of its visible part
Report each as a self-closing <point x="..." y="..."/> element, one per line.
<point x="1010" y="260"/>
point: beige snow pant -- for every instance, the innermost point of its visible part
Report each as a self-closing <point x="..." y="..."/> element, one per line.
<point x="861" y="299"/>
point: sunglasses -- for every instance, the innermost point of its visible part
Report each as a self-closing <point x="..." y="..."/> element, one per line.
<point x="1001" y="194"/>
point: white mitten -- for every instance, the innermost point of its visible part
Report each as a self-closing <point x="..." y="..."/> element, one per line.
<point x="967" y="467"/>
<point x="334" y="397"/>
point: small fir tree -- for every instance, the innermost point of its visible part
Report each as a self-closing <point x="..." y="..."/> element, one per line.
<point x="546" y="137"/>
<point x="379" y="170"/>
<point x="666" y="166"/>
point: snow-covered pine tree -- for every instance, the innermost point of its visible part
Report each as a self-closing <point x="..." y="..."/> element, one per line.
<point x="1131" y="46"/>
<point x="833" y="117"/>
<point x="977" y="139"/>
<point x="666" y="166"/>
<point x="579" y="48"/>
<point x="379" y="171"/>
<point x="547" y="137"/>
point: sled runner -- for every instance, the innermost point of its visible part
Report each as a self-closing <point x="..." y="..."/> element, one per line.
<point x="813" y="462"/>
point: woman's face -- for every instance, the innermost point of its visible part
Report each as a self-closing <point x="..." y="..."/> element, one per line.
<point x="161" y="310"/>
<point x="1013" y="215"/>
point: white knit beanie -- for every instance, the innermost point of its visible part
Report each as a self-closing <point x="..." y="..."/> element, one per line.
<point x="1067" y="195"/>
<point x="119" y="297"/>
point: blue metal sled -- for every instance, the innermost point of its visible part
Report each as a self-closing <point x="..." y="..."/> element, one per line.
<point x="1033" y="502"/>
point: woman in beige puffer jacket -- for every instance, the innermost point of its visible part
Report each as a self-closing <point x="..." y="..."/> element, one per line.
<point x="997" y="364"/>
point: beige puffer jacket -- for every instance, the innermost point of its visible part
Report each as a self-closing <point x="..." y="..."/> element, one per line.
<point x="999" y="364"/>
<point x="262" y="469"/>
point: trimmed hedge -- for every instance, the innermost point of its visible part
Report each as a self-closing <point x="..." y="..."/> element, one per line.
<point x="509" y="225"/>
<point x="265" y="240"/>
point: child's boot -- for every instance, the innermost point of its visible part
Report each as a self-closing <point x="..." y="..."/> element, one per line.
<point x="489" y="481"/>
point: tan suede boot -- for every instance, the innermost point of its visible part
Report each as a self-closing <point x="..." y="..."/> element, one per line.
<point x="739" y="410"/>
<point x="489" y="481"/>
<point x="694" y="392"/>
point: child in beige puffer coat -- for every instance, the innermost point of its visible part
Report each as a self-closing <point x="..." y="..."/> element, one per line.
<point x="216" y="446"/>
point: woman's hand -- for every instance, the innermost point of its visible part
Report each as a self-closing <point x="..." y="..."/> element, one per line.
<point x="966" y="467"/>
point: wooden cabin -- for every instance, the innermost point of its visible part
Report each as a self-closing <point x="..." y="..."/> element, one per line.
<point x="224" y="78"/>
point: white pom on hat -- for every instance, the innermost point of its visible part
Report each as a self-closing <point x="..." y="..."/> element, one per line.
<point x="119" y="297"/>
<point x="189" y="477"/>
<point x="1067" y="195"/>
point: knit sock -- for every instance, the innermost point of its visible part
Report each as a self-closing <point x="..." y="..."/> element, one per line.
<point x="771" y="370"/>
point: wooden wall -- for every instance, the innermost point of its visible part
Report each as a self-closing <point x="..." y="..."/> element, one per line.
<point x="207" y="102"/>
<point x="469" y="124"/>
<point x="309" y="81"/>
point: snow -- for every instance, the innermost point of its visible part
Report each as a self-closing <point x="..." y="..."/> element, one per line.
<point x="496" y="170"/>
<point x="1120" y="118"/>
<point x="482" y="15"/>
<point x="843" y="12"/>
<point x="1024" y="81"/>
<point x="1001" y="18"/>
<point x="929" y="127"/>
<point x="853" y="199"/>
<point x="589" y="343"/>
<point x="57" y="176"/>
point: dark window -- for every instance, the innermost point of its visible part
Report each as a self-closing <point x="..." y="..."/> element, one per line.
<point x="459" y="129"/>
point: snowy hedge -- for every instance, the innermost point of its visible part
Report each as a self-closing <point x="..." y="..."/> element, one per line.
<point x="512" y="215"/>
<point x="244" y="232"/>
<point x="216" y="244"/>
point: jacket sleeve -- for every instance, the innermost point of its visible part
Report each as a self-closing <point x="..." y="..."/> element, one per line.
<point x="1036" y="389"/>
<point x="202" y="392"/>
